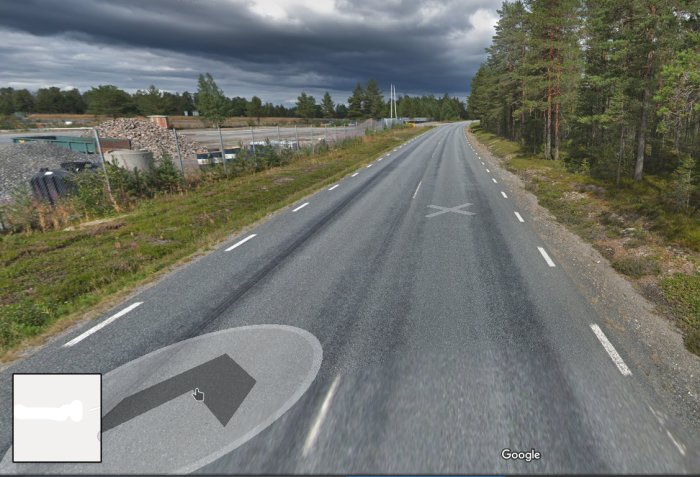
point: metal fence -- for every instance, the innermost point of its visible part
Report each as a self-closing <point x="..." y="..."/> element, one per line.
<point x="296" y="137"/>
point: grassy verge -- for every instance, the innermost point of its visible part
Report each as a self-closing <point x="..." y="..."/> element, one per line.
<point x="656" y="248"/>
<point x="49" y="279"/>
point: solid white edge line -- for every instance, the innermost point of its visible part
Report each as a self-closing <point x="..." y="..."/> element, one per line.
<point x="301" y="206"/>
<point x="520" y="217"/>
<point x="334" y="187"/>
<point x="354" y="174"/>
<point x="320" y="417"/>
<point x="610" y="349"/>
<point x="416" y="192"/>
<point x="544" y="254"/>
<point x="504" y="195"/>
<point x="241" y="242"/>
<point x="99" y="326"/>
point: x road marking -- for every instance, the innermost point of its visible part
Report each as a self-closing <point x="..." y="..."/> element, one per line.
<point x="456" y="210"/>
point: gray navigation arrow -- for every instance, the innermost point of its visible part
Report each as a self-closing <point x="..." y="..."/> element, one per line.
<point x="221" y="383"/>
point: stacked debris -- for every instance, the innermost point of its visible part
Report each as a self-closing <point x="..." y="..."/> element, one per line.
<point x="147" y="135"/>
<point x="19" y="162"/>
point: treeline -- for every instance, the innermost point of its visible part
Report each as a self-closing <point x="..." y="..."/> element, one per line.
<point x="365" y="102"/>
<point x="612" y="86"/>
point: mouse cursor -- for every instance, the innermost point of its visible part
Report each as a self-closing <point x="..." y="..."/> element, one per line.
<point x="197" y="395"/>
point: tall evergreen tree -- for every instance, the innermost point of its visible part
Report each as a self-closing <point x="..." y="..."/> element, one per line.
<point x="254" y="109"/>
<point x="306" y="105"/>
<point x="327" y="106"/>
<point x="355" y="102"/>
<point x="373" y="104"/>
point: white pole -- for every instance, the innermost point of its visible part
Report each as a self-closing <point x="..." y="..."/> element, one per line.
<point x="223" y="155"/>
<point x="104" y="167"/>
<point x="391" y="102"/>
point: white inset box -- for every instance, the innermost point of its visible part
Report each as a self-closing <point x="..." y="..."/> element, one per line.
<point x="56" y="417"/>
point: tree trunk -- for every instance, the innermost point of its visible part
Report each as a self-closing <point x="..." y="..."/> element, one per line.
<point x="641" y="139"/>
<point x="620" y="156"/>
<point x="548" y="136"/>
<point x="548" y="127"/>
<point x="557" y="92"/>
<point x="556" y="132"/>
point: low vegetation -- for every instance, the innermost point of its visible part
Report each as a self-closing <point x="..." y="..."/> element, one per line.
<point x="637" y="225"/>
<point x="50" y="275"/>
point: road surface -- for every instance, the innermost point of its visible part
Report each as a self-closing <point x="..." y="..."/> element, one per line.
<point x="449" y="333"/>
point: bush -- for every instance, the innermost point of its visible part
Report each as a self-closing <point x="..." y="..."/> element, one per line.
<point x="25" y="318"/>
<point x="637" y="267"/>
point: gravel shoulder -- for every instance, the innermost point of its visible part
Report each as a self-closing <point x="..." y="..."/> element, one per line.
<point x="652" y="344"/>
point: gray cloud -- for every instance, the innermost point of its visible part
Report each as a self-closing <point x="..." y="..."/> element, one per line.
<point x="269" y="48"/>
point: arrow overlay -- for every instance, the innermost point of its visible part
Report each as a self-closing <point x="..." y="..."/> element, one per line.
<point x="224" y="383"/>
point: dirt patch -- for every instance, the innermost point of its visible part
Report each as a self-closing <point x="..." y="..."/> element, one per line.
<point x="282" y="180"/>
<point x="574" y="196"/>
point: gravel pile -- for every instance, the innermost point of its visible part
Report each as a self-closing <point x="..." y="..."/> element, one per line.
<point x="19" y="162"/>
<point x="149" y="136"/>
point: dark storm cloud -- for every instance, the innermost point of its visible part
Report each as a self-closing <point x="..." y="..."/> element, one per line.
<point x="261" y="46"/>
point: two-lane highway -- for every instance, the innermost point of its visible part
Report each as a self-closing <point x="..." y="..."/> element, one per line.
<point x="449" y="333"/>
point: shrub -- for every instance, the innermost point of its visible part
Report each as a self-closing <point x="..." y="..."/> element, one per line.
<point x="637" y="267"/>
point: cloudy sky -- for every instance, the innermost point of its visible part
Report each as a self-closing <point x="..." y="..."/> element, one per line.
<point x="270" y="48"/>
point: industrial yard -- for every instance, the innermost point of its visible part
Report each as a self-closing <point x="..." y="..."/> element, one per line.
<point x="26" y="154"/>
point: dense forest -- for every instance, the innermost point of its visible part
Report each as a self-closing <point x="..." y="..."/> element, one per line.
<point x="366" y="101"/>
<point x="611" y="87"/>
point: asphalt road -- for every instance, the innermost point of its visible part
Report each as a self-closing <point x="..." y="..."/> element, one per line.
<point x="448" y="333"/>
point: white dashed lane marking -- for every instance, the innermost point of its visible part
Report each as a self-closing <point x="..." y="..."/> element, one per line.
<point x="238" y="244"/>
<point x="610" y="349"/>
<point x="544" y="254"/>
<point x="320" y="417"/>
<point x="98" y="327"/>
<point x="416" y="192"/>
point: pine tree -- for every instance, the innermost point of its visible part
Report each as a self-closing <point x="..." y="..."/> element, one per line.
<point x="306" y="105"/>
<point x="254" y="108"/>
<point x="327" y="106"/>
<point x="356" y="101"/>
<point x="373" y="100"/>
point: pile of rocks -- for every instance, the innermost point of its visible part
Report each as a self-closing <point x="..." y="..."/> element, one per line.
<point x="19" y="162"/>
<point x="147" y="135"/>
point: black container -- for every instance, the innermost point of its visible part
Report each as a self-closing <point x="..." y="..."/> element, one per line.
<point x="51" y="185"/>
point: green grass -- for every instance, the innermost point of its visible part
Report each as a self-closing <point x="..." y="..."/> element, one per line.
<point x="683" y="294"/>
<point x="598" y="210"/>
<point x="50" y="277"/>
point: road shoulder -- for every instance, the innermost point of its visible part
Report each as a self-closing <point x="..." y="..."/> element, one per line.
<point x="653" y="344"/>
